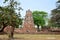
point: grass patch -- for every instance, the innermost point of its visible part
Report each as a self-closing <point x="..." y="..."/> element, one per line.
<point x="33" y="37"/>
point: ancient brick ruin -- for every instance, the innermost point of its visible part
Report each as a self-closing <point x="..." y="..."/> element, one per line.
<point x="28" y="24"/>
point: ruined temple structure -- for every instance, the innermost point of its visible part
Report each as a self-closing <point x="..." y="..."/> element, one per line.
<point x="28" y="24"/>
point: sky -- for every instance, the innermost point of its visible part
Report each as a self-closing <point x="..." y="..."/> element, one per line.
<point x="40" y="5"/>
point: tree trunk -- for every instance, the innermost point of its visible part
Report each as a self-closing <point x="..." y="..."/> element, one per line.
<point x="2" y="29"/>
<point x="4" y="25"/>
<point x="38" y="28"/>
<point x="11" y="33"/>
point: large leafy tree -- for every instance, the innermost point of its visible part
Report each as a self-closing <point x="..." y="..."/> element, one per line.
<point x="39" y="18"/>
<point x="9" y="16"/>
<point x="55" y="16"/>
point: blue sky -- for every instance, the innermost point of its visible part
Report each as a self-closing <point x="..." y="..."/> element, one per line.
<point x="42" y="5"/>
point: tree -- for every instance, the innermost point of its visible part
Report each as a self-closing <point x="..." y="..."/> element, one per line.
<point x="55" y="16"/>
<point x="39" y="18"/>
<point x="9" y="16"/>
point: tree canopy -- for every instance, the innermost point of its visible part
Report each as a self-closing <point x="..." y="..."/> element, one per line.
<point x="55" y="16"/>
<point x="39" y="18"/>
<point x="8" y="14"/>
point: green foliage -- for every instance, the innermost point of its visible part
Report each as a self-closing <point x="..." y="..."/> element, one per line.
<point x="39" y="17"/>
<point x="55" y="16"/>
<point x="8" y="14"/>
<point x="55" y="19"/>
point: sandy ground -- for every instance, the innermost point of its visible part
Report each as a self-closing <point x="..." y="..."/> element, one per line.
<point x="32" y="37"/>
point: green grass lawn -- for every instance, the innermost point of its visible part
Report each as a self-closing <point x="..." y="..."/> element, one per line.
<point x="33" y="37"/>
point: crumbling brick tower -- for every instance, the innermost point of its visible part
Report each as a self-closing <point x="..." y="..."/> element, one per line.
<point x="28" y="25"/>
